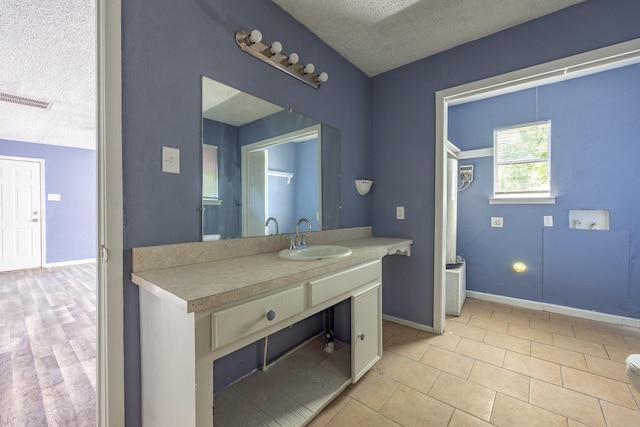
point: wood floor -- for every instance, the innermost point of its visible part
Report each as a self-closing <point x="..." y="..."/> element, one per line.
<point x="48" y="347"/>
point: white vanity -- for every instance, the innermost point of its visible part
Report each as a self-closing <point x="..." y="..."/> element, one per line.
<point x="202" y="301"/>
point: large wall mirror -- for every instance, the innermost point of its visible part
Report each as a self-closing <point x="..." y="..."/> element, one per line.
<point x="262" y="161"/>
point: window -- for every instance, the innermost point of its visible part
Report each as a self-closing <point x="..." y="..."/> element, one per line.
<point x="522" y="160"/>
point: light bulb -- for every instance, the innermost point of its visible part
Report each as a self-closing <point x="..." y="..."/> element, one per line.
<point x="323" y="77"/>
<point x="310" y="68"/>
<point x="293" y="58"/>
<point x="519" y="267"/>
<point x="276" y="47"/>
<point x="255" y="36"/>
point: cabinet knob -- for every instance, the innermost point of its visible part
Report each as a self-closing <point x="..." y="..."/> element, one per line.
<point x="361" y="336"/>
<point x="271" y="315"/>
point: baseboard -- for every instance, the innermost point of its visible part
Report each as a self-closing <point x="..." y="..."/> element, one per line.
<point x="557" y="309"/>
<point x="68" y="263"/>
<point x="419" y="326"/>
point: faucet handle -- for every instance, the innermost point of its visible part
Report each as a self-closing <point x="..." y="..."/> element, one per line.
<point x="303" y="241"/>
<point x="291" y="241"/>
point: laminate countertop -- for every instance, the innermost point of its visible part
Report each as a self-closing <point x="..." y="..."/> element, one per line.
<point x="206" y="285"/>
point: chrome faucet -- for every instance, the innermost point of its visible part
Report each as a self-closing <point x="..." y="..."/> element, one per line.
<point x="266" y="224"/>
<point x="299" y="238"/>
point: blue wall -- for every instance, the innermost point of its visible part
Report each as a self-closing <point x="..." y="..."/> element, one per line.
<point x="167" y="46"/>
<point x="404" y="128"/>
<point x="386" y="123"/>
<point x="71" y="222"/>
<point x="593" y="154"/>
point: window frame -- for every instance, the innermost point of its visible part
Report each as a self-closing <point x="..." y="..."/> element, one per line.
<point x="528" y="196"/>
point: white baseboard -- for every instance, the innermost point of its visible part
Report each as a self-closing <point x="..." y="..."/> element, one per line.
<point x="557" y="309"/>
<point x="67" y="263"/>
<point x="419" y="326"/>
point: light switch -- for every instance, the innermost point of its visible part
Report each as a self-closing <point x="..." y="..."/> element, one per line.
<point x="53" y="197"/>
<point x="170" y="160"/>
<point x="548" y="221"/>
<point x="399" y="212"/>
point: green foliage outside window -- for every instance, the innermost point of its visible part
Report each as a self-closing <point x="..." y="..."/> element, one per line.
<point x="521" y="156"/>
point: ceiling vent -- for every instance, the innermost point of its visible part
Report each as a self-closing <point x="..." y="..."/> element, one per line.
<point x="23" y="100"/>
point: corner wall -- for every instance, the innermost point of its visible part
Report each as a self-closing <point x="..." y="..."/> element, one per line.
<point x="404" y="128"/>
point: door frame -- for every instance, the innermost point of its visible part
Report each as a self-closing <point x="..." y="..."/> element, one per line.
<point x="582" y="64"/>
<point x="109" y="265"/>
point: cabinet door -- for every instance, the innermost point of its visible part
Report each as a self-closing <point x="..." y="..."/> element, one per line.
<point x="366" y="331"/>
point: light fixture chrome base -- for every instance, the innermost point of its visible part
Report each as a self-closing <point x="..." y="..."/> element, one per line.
<point x="278" y="60"/>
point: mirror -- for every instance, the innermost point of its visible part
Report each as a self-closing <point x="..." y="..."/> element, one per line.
<point x="262" y="161"/>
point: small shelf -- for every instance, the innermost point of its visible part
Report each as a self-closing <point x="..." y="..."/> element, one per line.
<point x="290" y="392"/>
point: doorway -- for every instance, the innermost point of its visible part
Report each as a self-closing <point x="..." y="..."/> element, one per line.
<point x="606" y="58"/>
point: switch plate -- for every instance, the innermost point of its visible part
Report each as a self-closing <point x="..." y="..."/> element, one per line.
<point x="53" y="197"/>
<point x="399" y="212"/>
<point x="548" y="221"/>
<point x="170" y="160"/>
<point x="496" y="221"/>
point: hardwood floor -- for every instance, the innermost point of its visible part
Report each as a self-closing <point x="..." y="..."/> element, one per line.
<point x="48" y="347"/>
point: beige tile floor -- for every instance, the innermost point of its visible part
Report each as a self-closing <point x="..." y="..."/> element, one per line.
<point x="496" y="365"/>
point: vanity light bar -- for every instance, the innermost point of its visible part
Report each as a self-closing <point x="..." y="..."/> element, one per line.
<point x="252" y="44"/>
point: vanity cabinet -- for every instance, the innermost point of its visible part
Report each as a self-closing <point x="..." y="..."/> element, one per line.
<point x="179" y="350"/>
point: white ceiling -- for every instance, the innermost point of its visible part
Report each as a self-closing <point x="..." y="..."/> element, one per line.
<point x="48" y="49"/>
<point x="380" y="35"/>
<point x="47" y="52"/>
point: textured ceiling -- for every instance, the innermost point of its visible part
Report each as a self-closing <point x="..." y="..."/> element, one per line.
<point x="380" y="35"/>
<point x="47" y="49"/>
<point x="47" y="52"/>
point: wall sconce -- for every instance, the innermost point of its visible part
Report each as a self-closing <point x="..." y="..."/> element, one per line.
<point x="363" y="186"/>
<point x="520" y="267"/>
<point x="252" y="44"/>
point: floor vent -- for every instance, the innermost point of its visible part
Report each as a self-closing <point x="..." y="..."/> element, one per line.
<point x="22" y="100"/>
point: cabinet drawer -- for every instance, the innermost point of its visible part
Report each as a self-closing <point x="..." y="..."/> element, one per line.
<point x="237" y="322"/>
<point x="337" y="284"/>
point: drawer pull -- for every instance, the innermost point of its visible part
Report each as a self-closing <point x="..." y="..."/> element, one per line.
<point x="361" y="336"/>
<point x="271" y="315"/>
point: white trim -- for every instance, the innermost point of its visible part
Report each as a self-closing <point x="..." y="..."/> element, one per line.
<point x="110" y="271"/>
<point x="414" y="325"/>
<point x="513" y="199"/>
<point x="618" y="55"/>
<point x="68" y="263"/>
<point x="557" y="309"/>
<point x="474" y="154"/>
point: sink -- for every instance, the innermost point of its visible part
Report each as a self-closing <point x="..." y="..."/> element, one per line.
<point x="315" y="252"/>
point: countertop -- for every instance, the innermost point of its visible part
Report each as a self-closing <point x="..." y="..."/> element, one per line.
<point x="207" y="285"/>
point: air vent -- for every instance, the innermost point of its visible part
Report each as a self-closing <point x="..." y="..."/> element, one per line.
<point x="23" y="100"/>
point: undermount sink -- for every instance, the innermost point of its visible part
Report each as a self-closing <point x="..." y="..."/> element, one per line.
<point x="315" y="252"/>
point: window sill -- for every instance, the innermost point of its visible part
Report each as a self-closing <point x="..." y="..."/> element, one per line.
<point x="522" y="199"/>
<point x="209" y="202"/>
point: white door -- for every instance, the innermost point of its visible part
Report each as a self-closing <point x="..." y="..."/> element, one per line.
<point x="20" y="226"/>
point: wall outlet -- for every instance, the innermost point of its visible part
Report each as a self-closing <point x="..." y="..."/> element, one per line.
<point x="53" y="197"/>
<point x="496" y="221"/>
<point x="548" y="221"/>
<point x="170" y="160"/>
<point x="399" y="212"/>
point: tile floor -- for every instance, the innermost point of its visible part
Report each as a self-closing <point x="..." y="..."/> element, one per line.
<point x="496" y="365"/>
